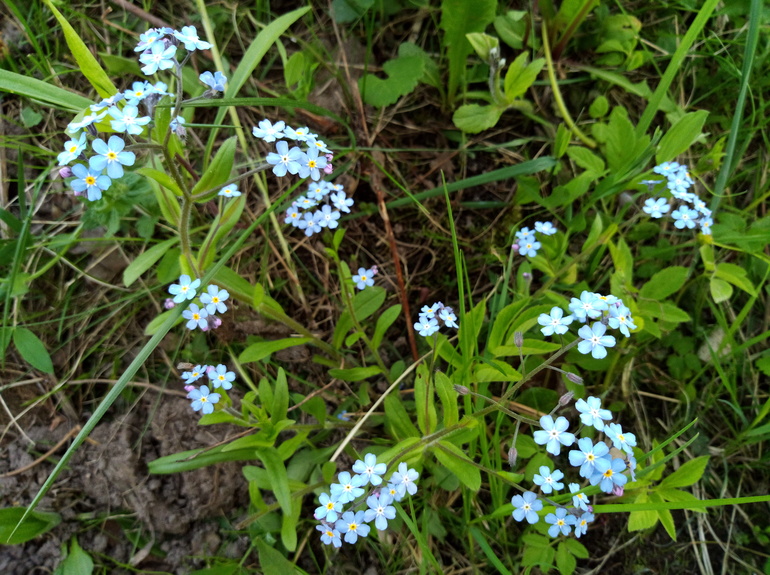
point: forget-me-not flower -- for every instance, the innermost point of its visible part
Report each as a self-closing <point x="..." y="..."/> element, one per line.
<point x="526" y="507"/>
<point x="329" y="509"/>
<point x="579" y="500"/>
<point x="529" y="248"/>
<point x="581" y="524"/>
<point x="620" y="318"/>
<point x="348" y="488"/>
<point x="554" y="434"/>
<point x="157" y="57"/>
<point x="311" y="164"/>
<point x="285" y="160"/>
<point x="560" y="521"/>
<point x="405" y="480"/>
<point x="369" y="470"/>
<point x="214" y="299"/>
<point x="612" y="476"/>
<point x="220" y="377"/>
<point x="110" y="155"/>
<point x="203" y="399"/>
<point x="364" y="277"/>
<point x="353" y="526"/>
<point x="620" y="440"/>
<point x="685" y="217"/>
<point x="196" y="317"/>
<point x="588" y="455"/>
<point x="426" y="326"/>
<point x="87" y="120"/>
<point x="72" y="149"/>
<point x="545" y="228"/>
<point x="185" y="289"/>
<point x="591" y="412"/>
<point x="90" y="181"/>
<point x="447" y="315"/>
<point x="656" y="207"/>
<point x="594" y="340"/>
<point x="341" y="201"/>
<point x="128" y="120"/>
<point x="194" y="374"/>
<point x="329" y="535"/>
<point x="230" y="191"/>
<point x="548" y="480"/>
<point x="189" y="37"/>
<point x="380" y="510"/>
<point x="215" y="81"/>
<point x="267" y="131"/>
<point x="555" y="322"/>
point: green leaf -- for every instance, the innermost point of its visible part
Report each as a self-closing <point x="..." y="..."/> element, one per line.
<point x="168" y="203"/>
<point x="197" y="458"/>
<point x="262" y="349"/>
<point x="736" y="275"/>
<point x="565" y="561"/>
<point x="42" y="91"/>
<point x="529" y="347"/>
<point x="77" y="562"/>
<point x="453" y="458"/>
<point x="423" y="401"/>
<point x="218" y="171"/>
<point x="448" y="397"/>
<point x="386" y="319"/>
<point x="156" y="322"/>
<point x="562" y="140"/>
<point x="276" y="472"/>
<point x="272" y="561"/>
<point x="520" y="76"/>
<point x="640" y="520"/>
<point x="664" y="515"/>
<point x="220" y="227"/>
<point x="494" y="371"/>
<point x="483" y="44"/>
<point x="88" y="65"/>
<point x="664" y="283"/>
<point x="474" y="118"/>
<point x="512" y="27"/>
<point x="576" y="548"/>
<point x="680" y="136"/>
<point x="689" y="473"/>
<point x="36" y="523"/>
<point x="404" y="74"/>
<point x="280" y="403"/>
<point x="355" y="373"/>
<point x="32" y="349"/>
<point x="458" y="18"/>
<point x="146" y="260"/>
<point x="368" y="301"/>
<point x="599" y="107"/>
<point x="398" y="419"/>
<point x="162" y="178"/>
<point x="623" y="260"/>
<point x="345" y="11"/>
<point x="586" y="159"/>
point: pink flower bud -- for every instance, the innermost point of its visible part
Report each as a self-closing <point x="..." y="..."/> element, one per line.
<point x="169" y="303"/>
<point x="189" y="388"/>
<point x="65" y="172"/>
<point x="617" y="490"/>
<point x="328" y="169"/>
<point x="515" y="247"/>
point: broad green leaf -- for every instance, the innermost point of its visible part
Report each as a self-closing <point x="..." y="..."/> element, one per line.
<point x="169" y="205"/>
<point x="276" y="472"/>
<point x="146" y="260"/>
<point x="529" y="347"/>
<point x="453" y="458"/>
<point x="220" y="227"/>
<point x="262" y="349"/>
<point x="271" y="560"/>
<point x="664" y="515"/>
<point x="621" y="141"/>
<point x="622" y="259"/>
<point x="640" y="520"/>
<point x="42" y="91"/>
<point x="424" y="402"/>
<point x="197" y="458"/>
<point x="448" y="397"/>
<point x="368" y="301"/>
<point x="280" y="403"/>
<point x="355" y="373"/>
<point x="665" y="283"/>
<point x="680" y="136"/>
<point x="576" y="548"/>
<point x="398" y="419"/>
<point x="32" y="349"/>
<point x="156" y="322"/>
<point x="520" y="76"/>
<point x="474" y="118"/>
<point x="494" y="371"/>
<point x="88" y="65"/>
<point x="511" y="28"/>
<point x="599" y="107"/>
<point x="218" y="171"/>
<point x="345" y="11"/>
<point x="688" y="474"/>
<point x="565" y="561"/>
<point x="458" y="18"/>
<point x="77" y="562"/>
<point x="36" y="523"/>
<point x="736" y="275"/>
<point x="562" y="140"/>
<point x="386" y="319"/>
<point x="404" y="74"/>
<point x="482" y="44"/>
<point x="586" y="159"/>
<point x="162" y="178"/>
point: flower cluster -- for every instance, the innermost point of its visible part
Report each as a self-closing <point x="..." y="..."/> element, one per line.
<point x="122" y="110"/>
<point x="320" y="207"/>
<point x="212" y="302"/>
<point x="595" y="462"/>
<point x="365" y="277"/>
<point x="678" y="181"/>
<point x="428" y="322"/>
<point x="310" y="163"/>
<point x="337" y="524"/>
<point x="203" y="398"/>
<point x="607" y="309"/>
<point x="526" y="244"/>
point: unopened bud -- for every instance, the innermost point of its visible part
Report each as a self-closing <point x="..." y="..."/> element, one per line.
<point x="518" y="339"/>
<point x="65" y="172"/>
<point x="328" y="169"/>
<point x="515" y="247"/>
<point x="617" y="490"/>
<point x="169" y="303"/>
<point x="189" y="388"/>
<point x="513" y="455"/>
<point x="566" y="399"/>
<point x="574" y="378"/>
<point x="184" y="366"/>
<point x="462" y="390"/>
<point x="527" y="276"/>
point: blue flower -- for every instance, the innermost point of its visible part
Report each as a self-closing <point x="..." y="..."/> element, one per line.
<point x="87" y="120"/>
<point x="525" y="235"/>
<point x="230" y="191"/>
<point x="529" y="248"/>
<point x="127" y="120"/>
<point x="284" y="160"/>
<point x="620" y="440"/>
<point x="72" y="149"/>
<point x="203" y="400"/>
<point x="318" y="190"/>
<point x="447" y="315"/>
<point x="610" y="477"/>
<point x="147" y="39"/>
<point x="300" y="134"/>
<point x="656" y="207"/>
<point x="313" y="143"/>
<point x="426" y="326"/>
<point x="554" y="434"/>
<point x="329" y="535"/>
<point x="214" y="299"/>
<point x="392" y="490"/>
<point x="353" y="526"/>
<point x="554" y="323"/>
<point x="348" y="488"/>
<point x="587" y="455"/>
<point x="591" y="412"/>
<point x="588" y="306"/>
<point x="185" y="289"/>
<point x="404" y="480"/>
<point x="679" y="182"/>
<point x="667" y="168"/>
<point x="107" y="102"/>
<point x="293" y="216"/>
<point x="215" y="81"/>
<point x="579" y="500"/>
<point x="341" y="201"/>
<point x="364" y="277"/>
<point x="157" y="57"/>
<point x="138" y="92"/>
<point x="527" y="505"/>
<point x="89" y="181"/>
<point x="705" y="226"/>
<point x="309" y="224"/>
<point x="430" y="311"/>
<point x="329" y="509"/>
<point x="380" y="510"/>
<point x="581" y="524"/>
<point x="545" y="228"/>
<point x="561" y="521"/>
<point x="620" y="318"/>
<point x="547" y="480"/>
<point x="685" y="217"/>
<point x="195" y="374"/>
<point x="327" y="218"/>
<point x="220" y="377"/>
<point x="369" y="470"/>
<point x="111" y="156"/>
<point x="311" y="164"/>
<point x="196" y="316"/>
<point x="594" y="340"/>
<point x="267" y="131"/>
<point x="189" y="37"/>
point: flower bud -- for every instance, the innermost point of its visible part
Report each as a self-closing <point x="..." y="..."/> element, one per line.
<point x="169" y="303"/>
<point x="518" y="339"/>
<point x="566" y="399"/>
<point x="184" y="366"/>
<point x="527" y="276"/>
<point x="328" y="169"/>
<point x="574" y="378"/>
<point x="515" y="247"/>
<point x="617" y="490"/>
<point x="65" y="172"/>
<point x="462" y="390"/>
<point x="513" y="455"/>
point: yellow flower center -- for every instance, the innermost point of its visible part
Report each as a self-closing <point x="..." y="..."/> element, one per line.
<point x="73" y="149"/>
<point x="112" y="156"/>
<point x="90" y="180"/>
<point x="311" y="164"/>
